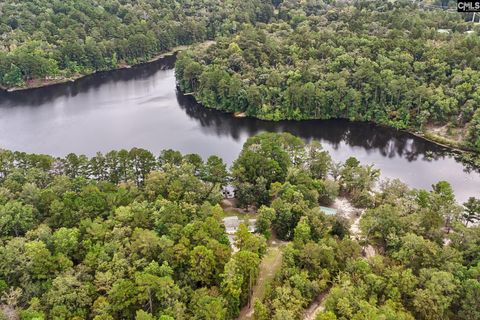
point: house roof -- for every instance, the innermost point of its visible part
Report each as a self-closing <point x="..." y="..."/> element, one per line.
<point x="231" y="222"/>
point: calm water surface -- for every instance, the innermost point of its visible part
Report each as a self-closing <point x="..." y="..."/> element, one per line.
<point x="140" y="107"/>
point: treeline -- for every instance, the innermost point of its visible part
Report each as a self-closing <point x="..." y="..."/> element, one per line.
<point x="133" y="236"/>
<point x="128" y="235"/>
<point x="427" y="260"/>
<point x="115" y="167"/>
<point x="388" y="63"/>
<point x="428" y="270"/>
<point x="120" y="236"/>
<point x="47" y="39"/>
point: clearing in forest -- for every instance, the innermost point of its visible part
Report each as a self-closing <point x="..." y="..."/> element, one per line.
<point x="271" y="263"/>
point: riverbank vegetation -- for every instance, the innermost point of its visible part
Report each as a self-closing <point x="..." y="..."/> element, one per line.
<point x="411" y="68"/>
<point x="129" y="235"/>
<point x="388" y="63"/>
<point x="49" y="40"/>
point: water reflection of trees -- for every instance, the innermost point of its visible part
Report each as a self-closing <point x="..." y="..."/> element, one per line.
<point x="389" y="142"/>
<point x="41" y="96"/>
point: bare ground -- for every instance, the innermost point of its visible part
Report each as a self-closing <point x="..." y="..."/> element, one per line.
<point x="347" y="210"/>
<point x="455" y="134"/>
<point x="8" y="312"/>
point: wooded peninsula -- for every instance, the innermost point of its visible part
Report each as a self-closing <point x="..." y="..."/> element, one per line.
<point x="286" y="232"/>
<point x="392" y="63"/>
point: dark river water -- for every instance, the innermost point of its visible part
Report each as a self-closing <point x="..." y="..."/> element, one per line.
<point x="140" y="107"/>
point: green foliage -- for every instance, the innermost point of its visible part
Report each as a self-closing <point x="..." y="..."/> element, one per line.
<point x="263" y="156"/>
<point x="127" y="235"/>
<point x="15" y="218"/>
<point x="473" y="135"/>
<point x="115" y="236"/>
<point x="357" y="180"/>
<point x="331" y="62"/>
<point x="472" y="210"/>
<point x="45" y="39"/>
<point x="265" y="216"/>
<point x="207" y="305"/>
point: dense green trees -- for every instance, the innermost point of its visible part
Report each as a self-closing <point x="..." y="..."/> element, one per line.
<point x="422" y="275"/>
<point x="417" y="273"/>
<point x="128" y="235"/>
<point x="46" y="39"/>
<point x="473" y="134"/>
<point x="423" y="269"/>
<point x="368" y="61"/>
<point x="115" y="236"/>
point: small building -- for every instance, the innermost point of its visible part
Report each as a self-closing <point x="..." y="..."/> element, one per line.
<point x="228" y="191"/>
<point x="231" y="226"/>
<point x="328" y="211"/>
<point x="232" y="223"/>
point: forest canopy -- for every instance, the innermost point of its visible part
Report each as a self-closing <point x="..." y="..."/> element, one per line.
<point x="130" y="235"/>
<point x="395" y="63"/>
<point x="133" y="235"/>
<point x="389" y="63"/>
<point x="48" y="39"/>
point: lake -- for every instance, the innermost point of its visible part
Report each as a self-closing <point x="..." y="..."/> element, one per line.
<point x="141" y="107"/>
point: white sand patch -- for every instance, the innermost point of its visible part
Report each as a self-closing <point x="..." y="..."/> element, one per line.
<point x="347" y="210"/>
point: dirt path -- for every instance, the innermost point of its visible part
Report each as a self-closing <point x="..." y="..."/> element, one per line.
<point x="315" y="307"/>
<point x="355" y="228"/>
<point x="271" y="263"/>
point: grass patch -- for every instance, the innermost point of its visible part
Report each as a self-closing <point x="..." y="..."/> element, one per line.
<point x="270" y="265"/>
<point x="444" y="141"/>
<point x="228" y="212"/>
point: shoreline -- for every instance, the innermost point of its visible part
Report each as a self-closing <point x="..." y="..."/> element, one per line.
<point x="445" y="145"/>
<point x="427" y="136"/>
<point x="48" y="83"/>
